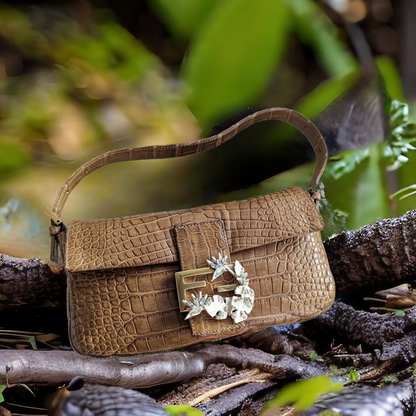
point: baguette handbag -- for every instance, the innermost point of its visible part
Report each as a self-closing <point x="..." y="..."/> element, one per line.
<point x="162" y="281"/>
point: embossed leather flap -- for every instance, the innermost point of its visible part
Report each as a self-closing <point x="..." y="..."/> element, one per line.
<point x="150" y="239"/>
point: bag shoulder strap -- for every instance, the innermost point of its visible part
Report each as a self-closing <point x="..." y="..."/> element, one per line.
<point x="305" y="126"/>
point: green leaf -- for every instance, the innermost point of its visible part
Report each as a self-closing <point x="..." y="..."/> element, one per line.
<point x="2" y="388"/>
<point x="391" y="77"/>
<point x="347" y="162"/>
<point x="183" y="410"/>
<point x="303" y="394"/>
<point x="371" y="196"/>
<point x="183" y="17"/>
<point x="390" y="379"/>
<point x="324" y="94"/>
<point x="314" y="356"/>
<point x="364" y="193"/>
<point x="316" y="29"/>
<point x="353" y="375"/>
<point x="233" y="56"/>
<point x="399" y="313"/>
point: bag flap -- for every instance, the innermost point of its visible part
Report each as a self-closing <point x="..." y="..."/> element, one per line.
<point x="150" y="238"/>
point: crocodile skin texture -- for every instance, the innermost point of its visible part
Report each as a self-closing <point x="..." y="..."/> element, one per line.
<point x="149" y="239"/>
<point x="122" y="296"/>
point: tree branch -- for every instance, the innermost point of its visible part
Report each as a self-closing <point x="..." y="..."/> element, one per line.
<point x="54" y="367"/>
<point x="30" y="285"/>
<point x="376" y="256"/>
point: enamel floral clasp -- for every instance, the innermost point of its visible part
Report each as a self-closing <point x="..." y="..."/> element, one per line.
<point x="237" y="307"/>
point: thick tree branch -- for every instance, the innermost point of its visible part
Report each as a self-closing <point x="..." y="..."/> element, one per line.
<point x="376" y="256"/>
<point x="30" y="284"/>
<point x="369" y="328"/>
<point x="54" y="367"/>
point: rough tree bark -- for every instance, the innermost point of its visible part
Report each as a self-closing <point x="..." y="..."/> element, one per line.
<point x="55" y="367"/>
<point x="30" y="284"/>
<point x="376" y="256"/>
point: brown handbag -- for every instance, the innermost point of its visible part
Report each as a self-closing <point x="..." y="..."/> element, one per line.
<point x="158" y="282"/>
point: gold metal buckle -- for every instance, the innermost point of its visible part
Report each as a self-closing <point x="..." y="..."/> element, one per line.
<point x="182" y="286"/>
<point x="52" y="215"/>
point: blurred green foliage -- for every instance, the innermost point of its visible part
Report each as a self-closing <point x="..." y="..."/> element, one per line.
<point x="316" y="29"/>
<point x="302" y="394"/>
<point x="184" y="17"/>
<point x="233" y="55"/>
<point x="73" y="88"/>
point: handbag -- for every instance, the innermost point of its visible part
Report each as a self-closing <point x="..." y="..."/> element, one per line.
<point x="163" y="281"/>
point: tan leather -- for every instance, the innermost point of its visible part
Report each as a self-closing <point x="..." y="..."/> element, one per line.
<point x="122" y="296"/>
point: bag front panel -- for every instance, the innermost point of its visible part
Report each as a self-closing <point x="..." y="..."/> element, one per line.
<point x="133" y="310"/>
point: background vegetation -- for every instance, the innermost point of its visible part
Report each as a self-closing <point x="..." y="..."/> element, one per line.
<point x="80" y="78"/>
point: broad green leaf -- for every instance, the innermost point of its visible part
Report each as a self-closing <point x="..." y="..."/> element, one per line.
<point x="364" y="193"/>
<point x="391" y="77"/>
<point x="184" y="17"/>
<point x="303" y="394"/>
<point x="233" y="56"/>
<point x="406" y="179"/>
<point x="324" y="94"/>
<point x="316" y="29"/>
<point x="399" y="313"/>
<point x="311" y="105"/>
<point x="183" y="410"/>
<point x="2" y="388"/>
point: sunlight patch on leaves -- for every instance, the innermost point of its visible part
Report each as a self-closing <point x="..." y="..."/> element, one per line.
<point x="183" y="410"/>
<point x="303" y="393"/>
<point x="354" y="375"/>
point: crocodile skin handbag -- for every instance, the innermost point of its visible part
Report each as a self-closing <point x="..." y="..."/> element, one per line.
<point x="162" y="281"/>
